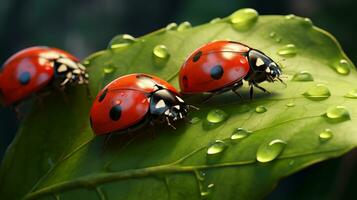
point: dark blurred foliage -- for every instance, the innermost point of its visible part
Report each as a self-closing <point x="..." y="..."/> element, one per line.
<point x="85" y="26"/>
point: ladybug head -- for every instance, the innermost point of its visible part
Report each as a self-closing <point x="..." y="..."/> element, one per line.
<point x="167" y="105"/>
<point x="263" y="67"/>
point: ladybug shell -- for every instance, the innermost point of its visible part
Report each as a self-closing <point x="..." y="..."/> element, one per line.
<point x="27" y="72"/>
<point x="214" y="66"/>
<point x="124" y="102"/>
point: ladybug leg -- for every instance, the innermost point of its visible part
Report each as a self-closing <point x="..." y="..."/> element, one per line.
<point x="64" y="95"/>
<point x="89" y="94"/>
<point x="261" y="88"/>
<point x="236" y="87"/>
<point x="169" y="123"/>
<point x="16" y="109"/>
<point x="251" y="92"/>
<point x="192" y="106"/>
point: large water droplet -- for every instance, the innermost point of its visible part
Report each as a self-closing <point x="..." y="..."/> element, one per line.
<point x="215" y="20"/>
<point x="183" y="26"/>
<point x="171" y="26"/>
<point x="352" y="94"/>
<point x="160" y="55"/>
<point x="325" y="135"/>
<point x="121" y="41"/>
<point x="270" y="151"/>
<point x="217" y="147"/>
<point x="337" y="114"/>
<point x="240" y="133"/>
<point x="288" y="50"/>
<point x="342" y="67"/>
<point x="109" y="69"/>
<point x="244" y="19"/>
<point x="216" y="116"/>
<point x="261" y="109"/>
<point x="302" y="76"/>
<point x="318" y="93"/>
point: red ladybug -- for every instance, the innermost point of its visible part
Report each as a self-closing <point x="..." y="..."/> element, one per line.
<point x="133" y="101"/>
<point x="31" y="69"/>
<point x="223" y="65"/>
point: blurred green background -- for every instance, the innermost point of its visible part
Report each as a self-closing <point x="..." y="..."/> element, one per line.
<point x="85" y="26"/>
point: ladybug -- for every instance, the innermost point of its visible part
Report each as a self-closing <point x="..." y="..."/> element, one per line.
<point x="133" y="101"/>
<point x="32" y="69"/>
<point x="221" y="66"/>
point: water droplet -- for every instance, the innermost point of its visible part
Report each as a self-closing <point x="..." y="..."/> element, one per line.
<point x="242" y="108"/>
<point x="337" y="114"/>
<point x="244" y="19"/>
<point x="352" y="94"/>
<point x="109" y="69"/>
<point x="183" y="26"/>
<point x="240" y="133"/>
<point x="215" y="20"/>
<point x="291" y="163"/>
<point x="318" y="93"/>
<point x="270" y="151"/>
<point x="216" y="116"/>
<point x="288" y="50"/>
<point x="261" y="109"/>
<point x="302" y="76"/>
<point x="278" y="39"/>
<point x="217" y="147"/>
<point x="342" y="67"/>
<point x="195" y="120"/>
<point x="291" y="16"/>
<point x="171" y="26"/>
<point x="272" y="34"/>
<point x="325" y="135"/>
<point x="121" y="41"/>
<point x="308" y="22"/>
<point x="207" y="191"/>
<point x="160" y="55"/>
<point x="290" y="104"/>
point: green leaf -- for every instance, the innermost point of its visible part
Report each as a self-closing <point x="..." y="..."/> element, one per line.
<point x="311" y="119"/>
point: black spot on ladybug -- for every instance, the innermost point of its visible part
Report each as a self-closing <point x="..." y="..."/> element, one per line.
<point x="102" y="96"/>
<point x="115" y="112"/>
<point x="143" y="76"/>
<point x="185" y="81"/>
<point x="217" y="72"/>
<point x="197" y="56"/>
<point x="24" y="78"/>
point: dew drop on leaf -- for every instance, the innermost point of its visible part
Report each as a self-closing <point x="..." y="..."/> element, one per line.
<point x="290" y="104"/>
<point x="291" y="16"/>
<point x="184" y="26"/>
<point x="288" y="50"/>
<point x="216" y="116"/>
<point x="121" y="41"/>
<point x="215" y="20"/>
<point x="352" y="94"/>
<point x="342" y="67"/>
<point x="240" y="133"/>
<point x="272" y="34"/>
<point x="278" y="39"/>
<point x="317" y="93"/>
<point x="325" y="135"/>
<point x="302" y="76"/>
<point x="109" y="69"/>
<point x="205" y="192"/>
<point x="171" y="26"/>
<point x="261" y="109"/>
<point x="337" y="114"/>
<point x="217" y="147"/>
<point x="270" y="151"/>
<point x="160" y="55"/>
<point x="244" y="19"/>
